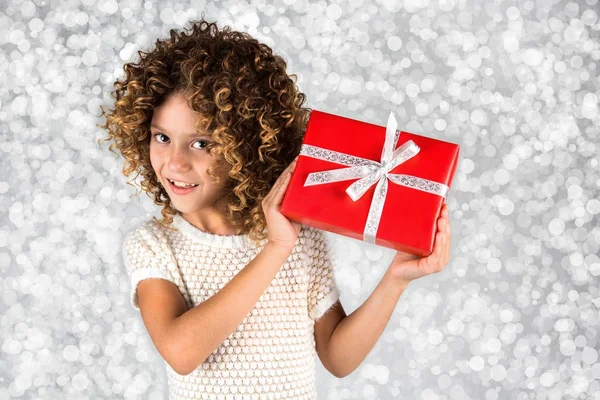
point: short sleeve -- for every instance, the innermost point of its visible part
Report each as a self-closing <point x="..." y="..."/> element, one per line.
<point x="143" y="259"/>
<point x="322" y="288"/>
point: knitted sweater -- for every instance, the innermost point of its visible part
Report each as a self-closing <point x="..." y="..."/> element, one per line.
<point x="271" y="355"/>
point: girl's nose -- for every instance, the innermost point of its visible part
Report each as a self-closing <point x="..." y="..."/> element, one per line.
<point x="178" y="159"/>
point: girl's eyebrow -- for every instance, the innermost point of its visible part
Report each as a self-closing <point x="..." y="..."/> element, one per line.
<point x="193" y="134"/>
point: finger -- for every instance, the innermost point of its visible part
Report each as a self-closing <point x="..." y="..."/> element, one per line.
<point x="278" y="184"/>
<point x="444" y="256"/>
<point x="440" y="254"/>
<point x="439" y="247"/>
<point x="272" y="196"/>
<point x="434" y="261"/>
<point x="447" y="249"/>
<point x="444" y="222"/>
<point x="292" y="164"/>
<point x="435" y="254"/>
<point x="268" y="200"/>
<point x="282" y="188"/>
<point x="286" y="175"/>
<point x="286" y="181"/>
<point x="283" y="176"/>
<point x="441" y="224"/>
<point x="278" y="195"/>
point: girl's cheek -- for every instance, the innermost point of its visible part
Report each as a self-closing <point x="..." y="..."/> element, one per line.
<point x="154" y="160"/>
<point x="154" y="154"/>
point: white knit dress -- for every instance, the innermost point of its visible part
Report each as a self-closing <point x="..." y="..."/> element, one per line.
<point x="271" y="355"/>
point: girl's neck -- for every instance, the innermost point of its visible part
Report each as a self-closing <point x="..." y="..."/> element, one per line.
<point x="219" y="239"/>
<point x="222" y="230"/>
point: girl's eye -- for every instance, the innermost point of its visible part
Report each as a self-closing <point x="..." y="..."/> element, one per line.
<point x="197" y="141"/>
<point x="157" y="135"/>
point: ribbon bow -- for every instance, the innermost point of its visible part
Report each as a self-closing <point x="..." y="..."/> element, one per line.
<point x="372" y="172"/>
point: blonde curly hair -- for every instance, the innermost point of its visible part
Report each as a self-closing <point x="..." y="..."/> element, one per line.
<point x="244" y="97"/>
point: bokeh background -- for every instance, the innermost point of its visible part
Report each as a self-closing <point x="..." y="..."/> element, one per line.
<point x="514" y="315"/>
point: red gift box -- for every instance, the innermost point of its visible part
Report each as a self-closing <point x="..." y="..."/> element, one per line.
<point x="347" y="168"/>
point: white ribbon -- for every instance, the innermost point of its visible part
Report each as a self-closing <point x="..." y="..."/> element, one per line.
<point x="372" y="172"/>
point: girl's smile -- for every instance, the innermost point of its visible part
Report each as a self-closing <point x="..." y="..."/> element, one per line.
<point x="180" y="190"/>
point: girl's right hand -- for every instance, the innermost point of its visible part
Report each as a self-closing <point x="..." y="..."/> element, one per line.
<point x="281" y="231"/>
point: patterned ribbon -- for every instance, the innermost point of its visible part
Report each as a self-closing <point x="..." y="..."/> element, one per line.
<point x="371" y="172"/>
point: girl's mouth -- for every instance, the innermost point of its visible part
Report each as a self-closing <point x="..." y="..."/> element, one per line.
<point x="180" y="190"/>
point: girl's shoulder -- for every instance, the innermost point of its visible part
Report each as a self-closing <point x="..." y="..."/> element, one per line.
<point x="307" y="232"/>
<point x="311" y="239"/>
<point x="149" y="233"/>
<point x="311" y="233"/>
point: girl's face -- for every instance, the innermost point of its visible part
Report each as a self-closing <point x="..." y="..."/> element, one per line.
<point x="178" y="153"/>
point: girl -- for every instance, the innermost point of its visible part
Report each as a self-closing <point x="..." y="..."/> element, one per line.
<point x="235" y="297"/>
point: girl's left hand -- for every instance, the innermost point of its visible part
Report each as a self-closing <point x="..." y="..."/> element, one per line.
<point x="407" y="267"/>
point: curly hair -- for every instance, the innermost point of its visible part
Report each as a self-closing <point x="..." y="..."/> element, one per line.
<point x="243" y="96"/>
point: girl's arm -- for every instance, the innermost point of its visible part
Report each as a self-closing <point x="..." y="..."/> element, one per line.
<point x="355" y="335"/>
<point x="194" y="335"/>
